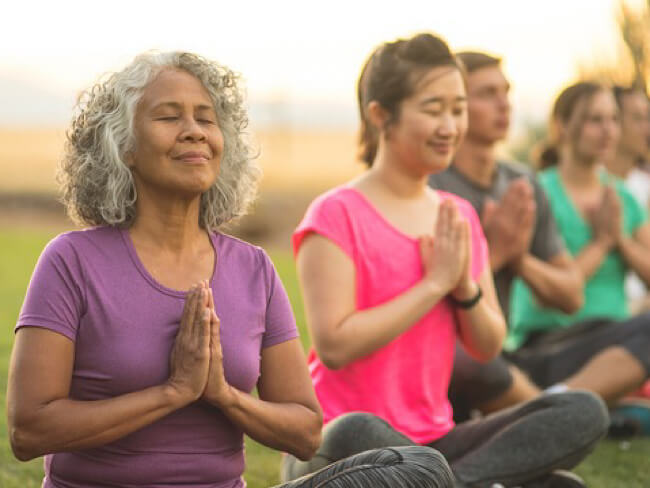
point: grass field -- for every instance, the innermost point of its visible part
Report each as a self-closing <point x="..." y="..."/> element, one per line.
<point x="612" y="465"/>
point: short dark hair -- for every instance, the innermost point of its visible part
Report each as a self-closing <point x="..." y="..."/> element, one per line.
<point x="473" y="60"/>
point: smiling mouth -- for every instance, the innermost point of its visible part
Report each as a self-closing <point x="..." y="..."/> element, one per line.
<point x="192" y="157"/>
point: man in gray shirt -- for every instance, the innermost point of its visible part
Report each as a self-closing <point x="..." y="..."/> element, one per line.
<point x="520" y="230"/>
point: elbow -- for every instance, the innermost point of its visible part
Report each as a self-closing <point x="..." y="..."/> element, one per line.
<point x="22" y="445"/>
<point x="311" y="437"/>
<point x="332" y="357"/>
<point x="573" y="303"/>
<point x="309" y="446"/>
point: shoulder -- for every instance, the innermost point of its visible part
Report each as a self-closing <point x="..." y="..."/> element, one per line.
<point x="232" y="247"/>
<point x="340" y="197"/>
<point x="83" y="241"/>
<point x="515" y="169"/>
<point x="243" y="259"/>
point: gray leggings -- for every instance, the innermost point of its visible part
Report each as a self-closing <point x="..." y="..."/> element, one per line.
<point x="389" y="467"/>
<point x="514" y="446"/>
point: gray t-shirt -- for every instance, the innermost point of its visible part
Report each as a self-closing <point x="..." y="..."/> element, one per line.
<point x="546" y="241"/>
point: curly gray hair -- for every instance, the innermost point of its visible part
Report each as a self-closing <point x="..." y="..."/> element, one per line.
<point x="97" y="185"/>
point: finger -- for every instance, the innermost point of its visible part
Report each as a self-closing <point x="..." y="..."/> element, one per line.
<point x="199" y="311"/>
<point x="210" y="299"/>
<point x="441" y="221"/>
<point x="452" y="217"/>
<point x="190" y="308"/>
<point x="488" y="210"/>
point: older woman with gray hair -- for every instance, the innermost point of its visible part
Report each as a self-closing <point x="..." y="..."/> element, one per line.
<point x="142" y="336"/>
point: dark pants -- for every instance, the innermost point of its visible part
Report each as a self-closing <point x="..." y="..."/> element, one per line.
<point x="551" y="357"/>
<point x="473" y="383"/>
<point x="513" y="446"/>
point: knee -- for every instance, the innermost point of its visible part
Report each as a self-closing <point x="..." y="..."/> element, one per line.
<point x="354" y="422"/>
<point x="585" y="413"/>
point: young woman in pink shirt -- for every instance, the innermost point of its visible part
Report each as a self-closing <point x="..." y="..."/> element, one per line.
<point x="392" y="273"/>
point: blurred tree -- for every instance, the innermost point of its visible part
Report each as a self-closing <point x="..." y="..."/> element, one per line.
<point x="632" y="63"/>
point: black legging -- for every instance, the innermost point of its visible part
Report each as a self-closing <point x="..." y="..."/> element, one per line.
<point x="549" y="357"/>
<point x="390" y="467"/>
<point x="513" y="446"/>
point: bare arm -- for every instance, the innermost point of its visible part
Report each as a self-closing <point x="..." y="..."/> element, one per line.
<point x="339" y="332"/>
<point x="636" y="252"/>
<point x="556" y="283"/>
<point x="286" y="416"/>
<point x="482" y="328"/>
<point x="44" y="419"/>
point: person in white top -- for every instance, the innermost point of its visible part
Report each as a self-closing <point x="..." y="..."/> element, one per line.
<point x="633" y="148"/>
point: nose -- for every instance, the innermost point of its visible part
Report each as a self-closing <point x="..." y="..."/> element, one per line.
<point x="504" y="103"/>
<point x="448" y="126"/>
<point x="192" y="130"/>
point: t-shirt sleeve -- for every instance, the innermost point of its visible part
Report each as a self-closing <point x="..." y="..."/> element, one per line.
<point x="480" y="254"/>
<point x="635" y="214"/>
<point x="547" y="241"/>
<point x="328" y="217"/>
<point x="280" y="324"/>
<point x="55" y="298"/>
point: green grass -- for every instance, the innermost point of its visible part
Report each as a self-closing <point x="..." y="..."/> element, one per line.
<point x="612" y="465"/>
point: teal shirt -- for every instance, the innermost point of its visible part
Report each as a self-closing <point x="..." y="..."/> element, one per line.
<point x="604" y="292"/>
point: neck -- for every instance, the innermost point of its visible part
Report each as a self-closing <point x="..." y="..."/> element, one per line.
<point x="388" y="173"/>
<point x="577" y="172"/>
<point x="622" y="164"/>
<point x="476" y="161"/>
<point x="166" y="223"/>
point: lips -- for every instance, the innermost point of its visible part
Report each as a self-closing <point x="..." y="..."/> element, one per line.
<point x="192" y="157"/>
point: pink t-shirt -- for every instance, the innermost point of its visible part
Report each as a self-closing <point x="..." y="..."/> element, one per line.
<point x="406" y="381"/>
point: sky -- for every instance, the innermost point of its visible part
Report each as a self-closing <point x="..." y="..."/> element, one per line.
<point x="299" y="59"/>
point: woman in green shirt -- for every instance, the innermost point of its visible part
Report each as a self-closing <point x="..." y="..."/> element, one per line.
<point x="607" y="232"/>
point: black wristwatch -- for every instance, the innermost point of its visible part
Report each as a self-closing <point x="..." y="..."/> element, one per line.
<point x="470" y="302"/>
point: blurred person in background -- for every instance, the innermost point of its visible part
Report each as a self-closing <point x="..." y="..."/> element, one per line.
<point x="627" y="164"/>
<point x="393" y="273"/>
<point x="141" y="337"/>
<point x="522" y="237"/>
<point x="601" y="347"/>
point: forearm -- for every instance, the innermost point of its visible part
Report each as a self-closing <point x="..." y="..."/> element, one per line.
<point x="366" y="331"/>
<point x="65" y="424"/>
<point x="636" y="256"/>
<point x="287" y="427"/>
<point x="590" y="258"/>
<point x="482" y="329"/>
<point x="554" y="286"/>
<point x="498" y="259"/>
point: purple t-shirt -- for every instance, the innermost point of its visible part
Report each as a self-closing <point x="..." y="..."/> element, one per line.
<point x="91" y="287"/>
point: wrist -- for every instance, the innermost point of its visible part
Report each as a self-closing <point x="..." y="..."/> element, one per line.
<point x="465" y="291"/>
<point x="433" y="289"/>
<point x="517" y="264"/>
<point x="175" y="397"/>
<point x="604" y="244"/>
<point x="467" y="302"/>
<point x="226" y="399"/>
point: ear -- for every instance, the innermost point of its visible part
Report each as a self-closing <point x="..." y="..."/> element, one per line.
<point x="129" y="159"/>
<point x="377" y="115"/>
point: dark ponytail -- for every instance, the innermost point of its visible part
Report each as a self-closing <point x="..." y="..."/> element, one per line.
<point x="564" y="113"/>
<point x="390" y="75"/>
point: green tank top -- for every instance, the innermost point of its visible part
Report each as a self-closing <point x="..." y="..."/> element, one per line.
<point x="604" y="292"/>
